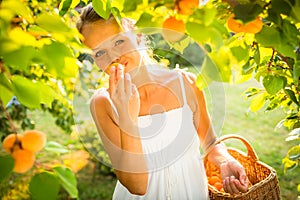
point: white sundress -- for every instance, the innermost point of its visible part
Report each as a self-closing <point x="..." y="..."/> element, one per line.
<point x="172" y="151"/>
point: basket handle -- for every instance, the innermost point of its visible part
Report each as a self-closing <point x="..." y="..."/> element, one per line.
<point x="251" y="152"/>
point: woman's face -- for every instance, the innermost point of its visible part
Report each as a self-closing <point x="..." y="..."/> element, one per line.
<point x="111" y="45"/>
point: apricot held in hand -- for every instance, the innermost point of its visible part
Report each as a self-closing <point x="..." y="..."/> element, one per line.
<point x="33" y="140"/>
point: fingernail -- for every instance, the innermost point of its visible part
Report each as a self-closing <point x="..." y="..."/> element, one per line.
<point x="127" y="76"/>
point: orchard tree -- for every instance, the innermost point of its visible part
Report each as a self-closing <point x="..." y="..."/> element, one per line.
<point x="39" y="51"/>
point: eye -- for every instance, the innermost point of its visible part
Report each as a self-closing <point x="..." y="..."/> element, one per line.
<point x="100" y="53"/>
<point x="118" y="42"/>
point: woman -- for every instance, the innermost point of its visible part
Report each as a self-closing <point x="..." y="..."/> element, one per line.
<point x="152" y="121"/>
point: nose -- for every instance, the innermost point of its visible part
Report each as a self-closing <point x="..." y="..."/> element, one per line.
<point x="114" y="56"/>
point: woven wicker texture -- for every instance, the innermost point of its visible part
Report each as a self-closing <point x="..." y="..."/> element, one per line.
<point x="263" y="178"/>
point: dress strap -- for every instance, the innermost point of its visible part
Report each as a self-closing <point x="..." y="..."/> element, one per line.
<point x="182" y="89"/>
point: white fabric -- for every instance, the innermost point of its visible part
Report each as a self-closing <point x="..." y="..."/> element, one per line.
<point x="172" y="150"/>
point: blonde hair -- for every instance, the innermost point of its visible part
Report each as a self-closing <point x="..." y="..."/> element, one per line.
<point x="88" y="15"/>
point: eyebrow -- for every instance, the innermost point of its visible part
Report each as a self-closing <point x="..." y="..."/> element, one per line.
<point x="110" y="39"/>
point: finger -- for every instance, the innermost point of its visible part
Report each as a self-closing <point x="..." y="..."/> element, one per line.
<point x="119" y="72"/>
<point x="243" y="177"/>
<point x="127" y="86"/>
<point x="232" y="185"/>
<point x="112" y="77"/>
<point x="120" y="77"/>
<point x="226" y="185"/>
<point x="241" y="187"/>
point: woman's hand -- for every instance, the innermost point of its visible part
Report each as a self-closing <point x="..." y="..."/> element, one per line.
<point x="234" y="177"/>
<point x="124" y="94"/>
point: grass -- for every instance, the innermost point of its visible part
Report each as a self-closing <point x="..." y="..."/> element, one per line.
<point x="257" y="128"/>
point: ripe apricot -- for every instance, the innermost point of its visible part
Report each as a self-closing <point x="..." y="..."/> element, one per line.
<point x="24" y="160"/>
<point x="254" y="26"/>
<point x="218" y="185"/>
<point x="33" y="140"/>
<point x="213" y="179"/>
<point x="251" y="27"/>
<point x="186" y="7"/>
<point x="107" y="69"/>
<point x="11" y="141"/>
<point x="173" y="29"/>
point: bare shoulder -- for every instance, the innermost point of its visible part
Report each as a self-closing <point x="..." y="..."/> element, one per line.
<point x="99" y="101"/>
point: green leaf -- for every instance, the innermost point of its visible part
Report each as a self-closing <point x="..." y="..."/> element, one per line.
<point x="205" y="15"/>
<point x="240" y="53"/>
<point x="5" y="81"/>
<point x="52" y="23"/>
<point x="47" y="94"/>
<point x="147" y="20"/>
<point x="280" y="6"/>
<point x="268" y="37"/>
<point x="258" y="102"/>
<point x="256" y="55"/>
<point x="294" y="153"/>
<point x="8" y="46"/>
<point x="129" y="5"/>
<point x="6" y="166"/>
<point x="22" y="37"/>
<point x="117" y="15"/>
<point x="296" y="71"/>
<point x="67" y="180"/>
<point x="75" y="3"/>
<point x="55" y="147"/>
<point x="204" y="34"/>
<point x="26" y="91"/>
<point x="289" y="164"/>
<point x="247" y="68"/>
<point x="64" y="7"/>
<point x="290" y="32"/>
<point x="286" y="49"/>
<point x="19" y="8"/>
<point x="292" y="96"/>
<point x="102" y="8"/>
<point x="5" y="94"/>
<point x="44" y="186"/>
<point x="273" y="84"/>
<point x="247" y="12"/>
<point x="25" y="55"/>
<point x="55" y="56"/>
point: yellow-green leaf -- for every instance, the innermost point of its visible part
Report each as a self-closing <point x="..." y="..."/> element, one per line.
<point x="258" y="102"/>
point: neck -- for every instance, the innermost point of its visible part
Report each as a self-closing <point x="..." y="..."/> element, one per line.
<point x="141" y="76"/>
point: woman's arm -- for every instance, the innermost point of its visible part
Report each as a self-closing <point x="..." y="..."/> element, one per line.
<point x="121" y="140"/>
<point x="232" y="172"/>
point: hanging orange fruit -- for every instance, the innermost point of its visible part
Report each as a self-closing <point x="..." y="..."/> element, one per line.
<point x="251" y="27"/>
<point x="33" y="140"/>
<point x="186" y="7"/>
<point x="173" y="29"/>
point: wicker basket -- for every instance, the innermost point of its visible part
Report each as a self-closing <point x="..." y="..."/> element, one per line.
<point x="263" y="178"/>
